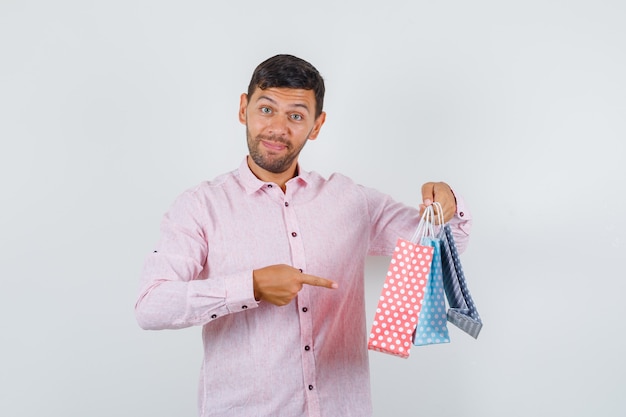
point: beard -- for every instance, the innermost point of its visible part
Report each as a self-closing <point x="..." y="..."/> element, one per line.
<point x="268" y="160"/>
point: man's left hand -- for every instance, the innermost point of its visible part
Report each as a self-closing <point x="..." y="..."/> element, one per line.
<point x="441" y="193"/>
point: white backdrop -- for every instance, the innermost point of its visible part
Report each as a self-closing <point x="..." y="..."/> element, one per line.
<point x="110" y="109"/>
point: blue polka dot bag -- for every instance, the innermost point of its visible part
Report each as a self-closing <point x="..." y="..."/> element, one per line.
<point x="432" y="320"/>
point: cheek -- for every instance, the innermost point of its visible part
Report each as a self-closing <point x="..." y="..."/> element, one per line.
<point x="253" y="124"/>
<point x="259" y="122"/>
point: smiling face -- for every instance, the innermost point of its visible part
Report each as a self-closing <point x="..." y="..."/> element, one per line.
<point x="279" y="121"/>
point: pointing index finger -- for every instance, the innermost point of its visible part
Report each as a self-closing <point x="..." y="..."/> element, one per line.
<point x="318" y="281"/>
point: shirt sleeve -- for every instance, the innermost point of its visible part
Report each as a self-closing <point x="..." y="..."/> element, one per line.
<point x="461" y="224"/>
<point x="392" y="220"/>
<point x="176" y="288"/>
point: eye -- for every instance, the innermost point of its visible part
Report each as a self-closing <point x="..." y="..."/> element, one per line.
<point x="266" y="110"/>
<point x="296" y="117"/>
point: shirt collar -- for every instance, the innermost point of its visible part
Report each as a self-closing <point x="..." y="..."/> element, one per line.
<point x="252" y="184"/>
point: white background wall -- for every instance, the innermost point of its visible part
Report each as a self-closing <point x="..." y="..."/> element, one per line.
<point x="110" y="109"/>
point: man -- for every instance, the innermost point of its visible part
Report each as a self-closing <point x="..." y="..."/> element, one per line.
<point x="269" y="259"/>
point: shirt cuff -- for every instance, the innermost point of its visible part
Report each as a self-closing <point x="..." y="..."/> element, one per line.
<point x="462" y="212"/>
<point x="461" y="224"/>
<point x="240" y="292"/>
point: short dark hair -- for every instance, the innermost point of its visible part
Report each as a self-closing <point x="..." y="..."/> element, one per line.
<point x="288" y="71"/>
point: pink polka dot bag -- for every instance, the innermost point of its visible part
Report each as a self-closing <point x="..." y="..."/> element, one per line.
<point x="402" y="294"/>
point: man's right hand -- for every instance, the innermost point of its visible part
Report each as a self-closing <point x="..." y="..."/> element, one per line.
<point x="279" y="284"/>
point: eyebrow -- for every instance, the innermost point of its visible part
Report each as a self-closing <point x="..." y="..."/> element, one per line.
<point x="271" y="100"/>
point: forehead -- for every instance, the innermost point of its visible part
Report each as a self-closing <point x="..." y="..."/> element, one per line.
<point x="285" y="96"/>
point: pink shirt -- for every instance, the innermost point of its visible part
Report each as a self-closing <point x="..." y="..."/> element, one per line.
<point x="308" y="358"/>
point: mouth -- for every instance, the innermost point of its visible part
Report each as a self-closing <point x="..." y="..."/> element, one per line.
<point x="274" y="146"/>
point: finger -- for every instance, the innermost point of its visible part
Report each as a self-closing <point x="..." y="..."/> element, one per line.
<point x="318" y="282"/>
<point x="444" y="195"/>
<point x="428" y="193"/>
<point x="441" y="189"/>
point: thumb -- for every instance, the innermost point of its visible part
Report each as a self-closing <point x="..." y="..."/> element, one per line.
<point x="428" y="193"/>
<point x="318" y="281"/>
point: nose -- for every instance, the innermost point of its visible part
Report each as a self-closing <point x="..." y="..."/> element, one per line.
<point x="278" y="126"/>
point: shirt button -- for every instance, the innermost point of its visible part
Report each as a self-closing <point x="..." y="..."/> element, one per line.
<point x="294" y="234"/>
<point x="461" y="214"/>
<point x="310" y="387"/>
<point x="304" y="309"/>
<point x="286" y="204"/>
<point x="244" y="307"/>
<point x="269" y="185"/>
<point x="307" y="348"/>
<point x="213" y="316"/>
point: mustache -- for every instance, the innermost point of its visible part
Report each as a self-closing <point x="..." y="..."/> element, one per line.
<point x="274" y="138"/>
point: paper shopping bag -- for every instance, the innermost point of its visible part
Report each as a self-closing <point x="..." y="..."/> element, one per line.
<point x="432" y="326"/>
<point x="462" y="312"/>
<point x="400" y="299"/>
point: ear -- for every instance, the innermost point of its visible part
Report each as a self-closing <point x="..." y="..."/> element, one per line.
<point x="317" y="126"/>
<point x="243" y="106"/>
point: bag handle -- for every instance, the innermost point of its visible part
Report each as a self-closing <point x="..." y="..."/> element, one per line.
<point x="439" y="213"/>
<point x="425" y="228"/>
<point x="440" y="218"/>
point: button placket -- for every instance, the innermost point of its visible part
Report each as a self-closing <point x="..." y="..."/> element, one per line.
<point x="289" y="217"/>
<point x="298" y="260"/>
